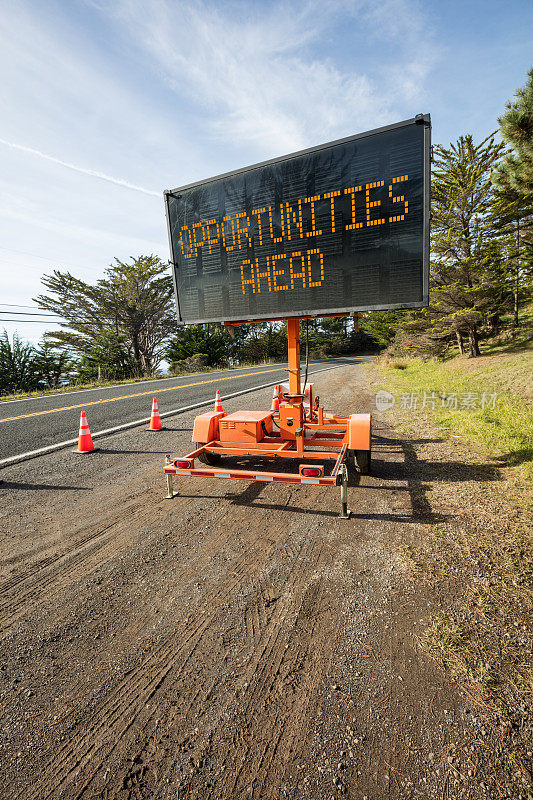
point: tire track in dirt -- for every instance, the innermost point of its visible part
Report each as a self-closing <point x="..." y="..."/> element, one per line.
<point x="125" y="705"/>
<point x="92" y="546"/>
<point x="187" y="713"/>
<point x="280" y="678"/>
<point x="54" y="574"/>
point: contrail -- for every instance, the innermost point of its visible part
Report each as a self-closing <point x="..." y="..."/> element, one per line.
<point x="93" y="172"/>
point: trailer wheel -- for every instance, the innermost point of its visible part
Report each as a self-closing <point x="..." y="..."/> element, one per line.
<point x="362" y="459"/>
<point x="211" y="459"/>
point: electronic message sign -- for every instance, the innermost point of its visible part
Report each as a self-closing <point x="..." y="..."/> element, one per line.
<point x="339" y="227"/>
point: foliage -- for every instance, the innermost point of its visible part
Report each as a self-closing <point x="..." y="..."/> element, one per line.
<point x="516" y="126"/>
<point x="108" y="358"/>
<point x="134" y="300"/>
<point x="382" y="325"/>
<point x="52" y="366"/>
<point x="212" y="342"/>
<point x="513" y="178"/>
<point x="252" y="344"/>
<point x="514" y="221"/>
<point x="17" y="365"/>
<point x="469" y="272"/>
<point x="25" y="368"/>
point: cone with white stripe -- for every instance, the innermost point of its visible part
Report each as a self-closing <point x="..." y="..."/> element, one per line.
<point x="155" y="419"/>
<point x="275" y="399"/>
<point x="218" y="402"/>
<point x="85" y="441"/>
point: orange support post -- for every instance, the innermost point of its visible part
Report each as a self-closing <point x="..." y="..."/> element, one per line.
<point x="293" y="336"/>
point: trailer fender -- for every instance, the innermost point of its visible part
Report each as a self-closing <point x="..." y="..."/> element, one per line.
<point x="206" y="426"/>
<point x="359" y="431"/>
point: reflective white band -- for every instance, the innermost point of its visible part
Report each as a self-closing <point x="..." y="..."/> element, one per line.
<point x="310" y="480"/>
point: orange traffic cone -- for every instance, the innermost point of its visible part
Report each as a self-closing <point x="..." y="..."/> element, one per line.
<point x="85" y="441"/>
<point x="275" y="399"/>
<point x="218" y="402"/>
<point x="155" y="419"/>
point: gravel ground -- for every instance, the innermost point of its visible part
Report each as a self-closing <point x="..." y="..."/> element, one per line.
<point x="238" y="641"/>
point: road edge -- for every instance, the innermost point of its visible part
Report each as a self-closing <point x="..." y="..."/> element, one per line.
<point x="7" y="462"/>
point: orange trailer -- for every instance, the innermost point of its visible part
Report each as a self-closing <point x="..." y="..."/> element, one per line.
<point x="323" y="444"/>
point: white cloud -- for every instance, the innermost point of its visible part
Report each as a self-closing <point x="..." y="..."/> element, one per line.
<point x="266" y="73"/>
<point x="165" y="92"/>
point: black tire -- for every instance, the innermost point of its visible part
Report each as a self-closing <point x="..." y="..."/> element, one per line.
<point x="363" y="461"/>
<point x="350" y="462"/>
<point x="211" y="459"/>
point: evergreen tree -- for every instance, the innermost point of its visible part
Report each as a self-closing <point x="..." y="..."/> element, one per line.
<point x="513" y="178"/>
<point x="108" y="358"/>
<point x="17" y="365"/>
<point x="382" y="325"/>
<point x="465" y="278"/>
<point x="516" y="127"/>
<point x="52" y="366"/>
<point x="513" y="219"/>
<point x="211" y="341"/>
<point x="135" y="300"/>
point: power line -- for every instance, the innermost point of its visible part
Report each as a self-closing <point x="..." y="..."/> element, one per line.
<point x="33" y="255"/>
<point x="25" y="321"/>
<point x="61" y="263"/>
<point x="29" y="313"/>
<point x="17" y="305"/>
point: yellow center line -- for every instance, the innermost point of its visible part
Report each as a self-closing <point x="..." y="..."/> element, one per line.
<point x="138" y="394"/>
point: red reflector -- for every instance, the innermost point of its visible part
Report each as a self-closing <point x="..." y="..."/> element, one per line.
<point x="311" y="472"/>
<point x="182" y="464"/>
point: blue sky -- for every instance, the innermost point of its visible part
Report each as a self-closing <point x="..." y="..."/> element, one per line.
<point x="106" y="103"/>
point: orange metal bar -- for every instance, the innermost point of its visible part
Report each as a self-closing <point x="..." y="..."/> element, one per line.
<point x="293" y="336"/>
<point x="257" y="451"/>
<point x="278" y="319"/>
<point x="327" y="427"/>
<point x="250" y="475"/>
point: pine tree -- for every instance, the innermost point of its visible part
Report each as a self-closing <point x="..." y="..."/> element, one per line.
<point x="513" y="178"/>
<point x="513" y="219"/>
<point x="465" y="277"/>
<point x="516" y="127"/>
<point x="53" y="366"/>
<point x="17" y="365"/>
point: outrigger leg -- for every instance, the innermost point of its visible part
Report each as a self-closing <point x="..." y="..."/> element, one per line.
<point x="345" y="511"/>
<point x="170" y="488"/>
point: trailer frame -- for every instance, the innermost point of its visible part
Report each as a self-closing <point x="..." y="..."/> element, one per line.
<point x="329" y="440"/>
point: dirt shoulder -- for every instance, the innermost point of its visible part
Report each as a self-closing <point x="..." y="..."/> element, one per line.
<point x="240" y="640"/>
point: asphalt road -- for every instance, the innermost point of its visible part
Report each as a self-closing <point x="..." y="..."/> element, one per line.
<point x="33" y="423"/>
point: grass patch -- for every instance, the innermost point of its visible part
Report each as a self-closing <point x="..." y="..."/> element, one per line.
<point x="483" y="637"/>
<point x="488" y="400"/>
<point x="479" y="561"/>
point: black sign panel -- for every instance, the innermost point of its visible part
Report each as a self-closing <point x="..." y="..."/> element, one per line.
<point x="340" y="227"/>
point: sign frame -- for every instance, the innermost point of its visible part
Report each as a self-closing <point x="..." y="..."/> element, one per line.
<point x="419" y="119"/>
